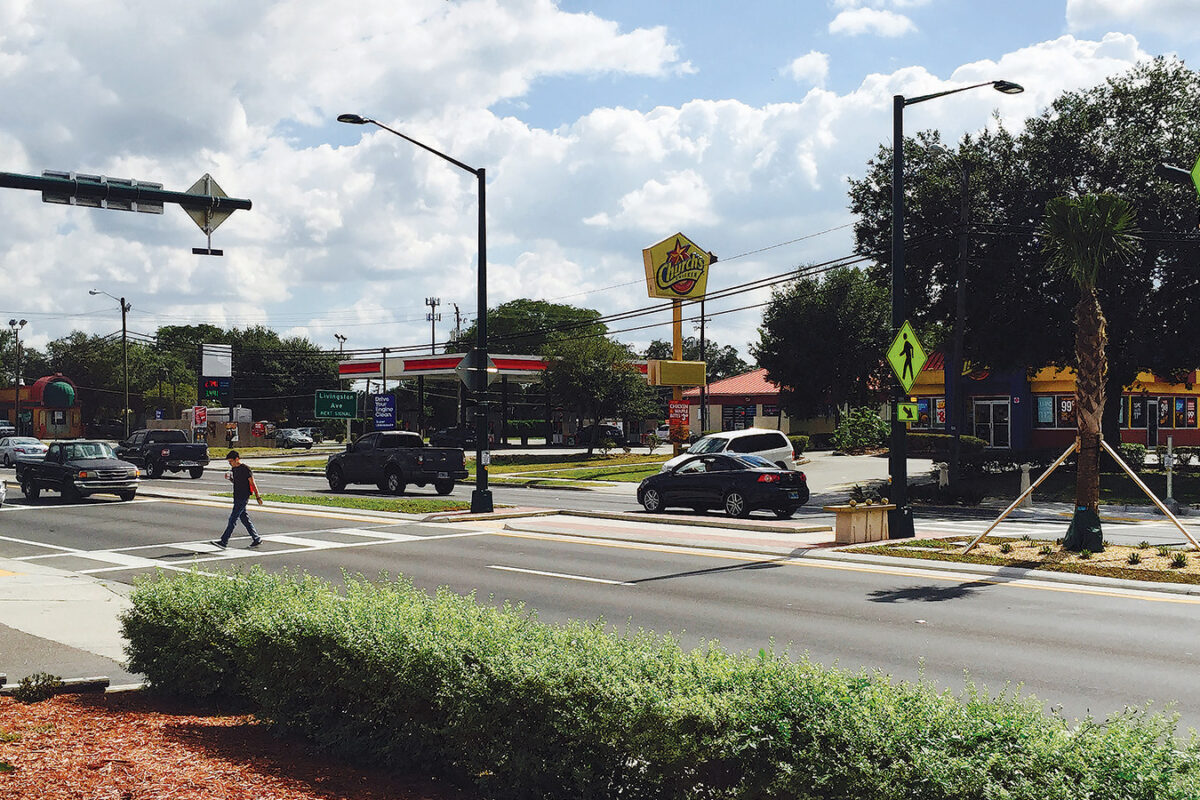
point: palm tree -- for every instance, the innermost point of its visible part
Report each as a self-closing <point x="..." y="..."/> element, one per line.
<point x="1082" y="237"/>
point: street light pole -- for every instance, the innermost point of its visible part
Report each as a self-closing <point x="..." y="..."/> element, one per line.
<point x="16" y="326"/>
<point x="900" y="521"/>
<point x="125" y="308"/>
<point x="341" y="340"/>
<point x="481" y="498"/>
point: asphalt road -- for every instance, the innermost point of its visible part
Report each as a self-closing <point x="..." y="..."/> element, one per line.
<point x="1086" y="650"/>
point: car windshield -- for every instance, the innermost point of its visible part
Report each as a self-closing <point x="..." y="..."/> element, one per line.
<point x="709" y="444"/>
<point x="84" y="451"/>
<point x="757" y="462"/>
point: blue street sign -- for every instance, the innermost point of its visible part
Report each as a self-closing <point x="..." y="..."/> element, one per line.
<point x="385" y="411"/>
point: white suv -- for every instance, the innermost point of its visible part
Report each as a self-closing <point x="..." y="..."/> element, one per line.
<point x="771" y="445"/>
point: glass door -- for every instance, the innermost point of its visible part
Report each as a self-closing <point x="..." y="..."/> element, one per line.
<point x="990" y="422"/>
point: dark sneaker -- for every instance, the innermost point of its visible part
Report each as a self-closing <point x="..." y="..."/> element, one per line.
<point x="219" y="544"/>
<point x="256" y="543"/>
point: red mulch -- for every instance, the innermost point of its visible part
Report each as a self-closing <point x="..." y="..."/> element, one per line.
<point x="133" y="746"/>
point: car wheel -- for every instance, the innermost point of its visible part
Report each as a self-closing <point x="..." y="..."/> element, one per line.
<point x="784" y="513"/>
<point x="736" y="505"/>
<point x="196" y="472"/>
<point x="126" y="496"/>
<point x="7" y="460"/>
<point x="393" y="482"/>
<point x="308" y="447"/>
<point x="652" y="500"/>
<point x="154" y="469"/>
<point x="337" y="481"/>
<point x="444" y="487"/>
<point x="31" y="492"/>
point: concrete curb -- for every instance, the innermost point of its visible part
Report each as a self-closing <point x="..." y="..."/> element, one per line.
<point x="94" y="685"/>
<point x="469" y="517"/>
<point x="692" y="522"/>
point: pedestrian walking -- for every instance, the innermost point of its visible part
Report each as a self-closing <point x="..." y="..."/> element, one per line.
<point x="243" y="487"/>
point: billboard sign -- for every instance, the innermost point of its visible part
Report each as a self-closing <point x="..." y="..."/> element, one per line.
<point x="385" y="411"/>
<point x="676" y="268"/>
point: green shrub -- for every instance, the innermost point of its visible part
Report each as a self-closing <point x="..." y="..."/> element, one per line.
<point x="387" y="675"/>
<point x="860" y="429"/>
<point x="1133" y="454"/>
<point x="1134" y="557"/>
<point x="800" y="443"/>
<point x="940" y="443"/>
<point x="37" y="687"/>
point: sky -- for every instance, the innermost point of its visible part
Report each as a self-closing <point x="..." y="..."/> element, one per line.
<point x="603" y="128"/>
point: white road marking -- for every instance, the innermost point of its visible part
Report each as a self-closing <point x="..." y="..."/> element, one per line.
<point x="559" y="575"/>
<point x="9" y="507"/>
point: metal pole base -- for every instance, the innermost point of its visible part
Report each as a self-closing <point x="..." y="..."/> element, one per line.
<point x="900" y="523"/>
<point x="481" y="501"/>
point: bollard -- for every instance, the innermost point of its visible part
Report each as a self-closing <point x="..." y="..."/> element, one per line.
<point x="1028" y="501"/>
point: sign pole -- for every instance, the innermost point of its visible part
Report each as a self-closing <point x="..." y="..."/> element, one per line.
<point x="677" y="354"/>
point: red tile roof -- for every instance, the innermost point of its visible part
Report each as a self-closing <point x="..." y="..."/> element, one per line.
<point x="746" y="384"/>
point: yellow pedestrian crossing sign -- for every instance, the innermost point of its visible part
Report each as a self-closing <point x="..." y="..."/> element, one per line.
<point x="906" y="356"/>
<point x="906" y="412"/>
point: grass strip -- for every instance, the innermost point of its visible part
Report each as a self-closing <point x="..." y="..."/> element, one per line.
<point x="402" y="505"/>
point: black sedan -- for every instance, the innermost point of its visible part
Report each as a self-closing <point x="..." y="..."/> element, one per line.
<point x="738" y="484"/>
<point x="583" y="437"/>
<point x="459" y="436"/>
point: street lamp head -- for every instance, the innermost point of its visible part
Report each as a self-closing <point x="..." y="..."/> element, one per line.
<point x="93" y="291"/>
<point x="1007" y="87"/>
<point x="352" y="119"/>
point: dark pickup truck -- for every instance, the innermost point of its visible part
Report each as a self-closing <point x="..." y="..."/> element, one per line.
<point x="393" y="459"/>
<point x="76" y="469"/>
<point x="160" y="451"/>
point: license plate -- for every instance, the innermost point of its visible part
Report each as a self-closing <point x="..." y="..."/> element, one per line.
<point x="793" y="495"/>
<point x="443" y="474"/>
<point x="188" y="464"/>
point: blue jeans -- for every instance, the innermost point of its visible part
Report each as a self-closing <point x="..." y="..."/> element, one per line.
<point x="239" y="512"/>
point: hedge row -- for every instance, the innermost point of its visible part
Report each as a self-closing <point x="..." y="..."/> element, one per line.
<point x="382" y="673"/>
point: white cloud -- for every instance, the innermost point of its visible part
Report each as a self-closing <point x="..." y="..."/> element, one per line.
<point x="1176" y="18"/>
<point x="880" y="22"/>
<point x="352" y="227"/>
<point x="812" y="67"/>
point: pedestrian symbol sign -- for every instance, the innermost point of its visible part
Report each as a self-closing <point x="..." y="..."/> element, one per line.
<point x="906" y="356"/>
<point x="906" y="412"/>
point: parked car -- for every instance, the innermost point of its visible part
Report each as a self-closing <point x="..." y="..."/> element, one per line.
<point x="78" y="468"/>
<point x="583" y="436"/>
<point x="313" y="433"/>
<point x="7" y="428"/>
<point x="393" y="459"/>
<point x="106" y="429"/>
<point x="771" y="445"/>
<point x="738" y="484"/>
<point x="159" y="451"/>
<point x="459" y="436"/>
<point x="292" y="437"/>
<point x="20" y="448"/>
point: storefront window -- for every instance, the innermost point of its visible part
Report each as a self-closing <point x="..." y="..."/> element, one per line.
<point x="1190" y="413"/>
<point x="1066" y="410"/>
<point x="1164" y="412"/>
<point x="1045" y="411"/>
<point x="1137" y="412"/>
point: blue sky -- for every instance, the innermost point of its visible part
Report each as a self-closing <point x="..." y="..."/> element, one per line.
<point x="604" y="127"/>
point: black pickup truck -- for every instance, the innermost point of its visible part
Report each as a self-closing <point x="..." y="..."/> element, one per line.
<point x="76" y="469"/>
<point x="160" y="451"/>
<point x="393" y="459"/>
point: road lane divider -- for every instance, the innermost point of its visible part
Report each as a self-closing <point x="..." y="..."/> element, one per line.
<point x="563" y="575"/>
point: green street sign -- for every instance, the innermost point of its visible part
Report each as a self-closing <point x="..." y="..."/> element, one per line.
<point x="335" y="404"/>
<point x="1196" y="175"/>
<point x="906" y="412"/>
<point x="906" y="356"/>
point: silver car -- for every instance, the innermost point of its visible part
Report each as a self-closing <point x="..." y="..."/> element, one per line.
<point x="292" y="437"/>
<point x="20" y="448"/>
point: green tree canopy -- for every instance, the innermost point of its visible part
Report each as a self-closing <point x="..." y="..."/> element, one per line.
<point x="723" y="360"/>
<point x="596" y="376"/>
<point x="1106" y="139"/>
<point x="525" y="326"/>
<point x="823" y="339"/>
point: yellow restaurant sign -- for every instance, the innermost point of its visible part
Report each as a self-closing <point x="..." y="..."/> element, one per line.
<point x="676" y="268"/>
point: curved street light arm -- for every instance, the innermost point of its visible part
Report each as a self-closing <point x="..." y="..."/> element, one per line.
<point x="355" y="119"/>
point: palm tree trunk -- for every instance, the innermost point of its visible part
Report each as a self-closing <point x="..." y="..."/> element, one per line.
<point x="1091" y="339"/>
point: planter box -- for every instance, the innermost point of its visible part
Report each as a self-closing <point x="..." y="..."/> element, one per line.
<point x="861" y="523"/>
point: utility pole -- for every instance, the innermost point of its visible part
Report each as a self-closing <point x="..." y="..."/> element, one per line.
<point x="125" y="308"/>
<point x="704" y="388"/>
<point x="341" y="340"/>
<point x="458" y="418"/>
<point x="434" y="316"/>
<point x="16" y="326"/>
<point x="953" y="373"/>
